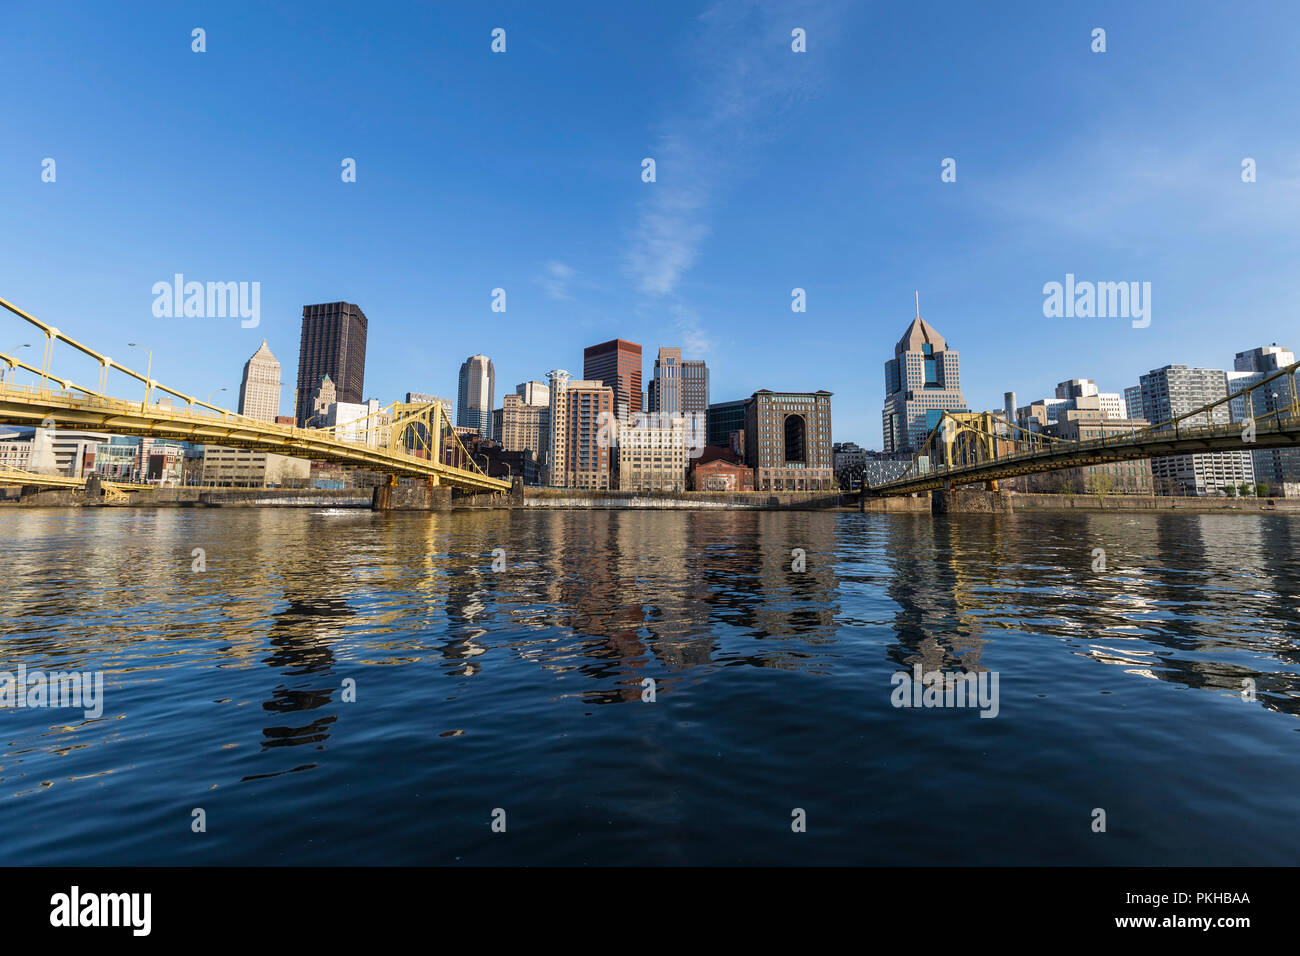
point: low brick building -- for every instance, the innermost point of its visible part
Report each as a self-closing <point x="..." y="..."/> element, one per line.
<point x="720" y="469"/>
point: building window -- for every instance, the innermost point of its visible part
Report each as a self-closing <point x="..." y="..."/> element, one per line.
<point x="796" y="439"/>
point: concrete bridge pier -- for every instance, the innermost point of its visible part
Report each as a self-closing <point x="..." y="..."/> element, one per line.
<point x="970" y="500"/>
<point x="425" y="495"/>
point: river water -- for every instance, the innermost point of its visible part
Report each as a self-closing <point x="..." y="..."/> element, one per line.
<point x="355" y="688"/>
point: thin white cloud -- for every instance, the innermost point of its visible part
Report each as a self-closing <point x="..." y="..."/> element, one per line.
<point x="1108" y="191"/>
<point x="746" y="78"/>
<point x="556" y="280"/>
<point x="695" y="342"/>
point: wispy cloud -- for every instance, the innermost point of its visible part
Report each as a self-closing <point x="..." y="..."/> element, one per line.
<point x="556" y="280"/>
<point x="690" y="332"/>
<point x="1107" y="191"/>
<point x="746" y="77"/>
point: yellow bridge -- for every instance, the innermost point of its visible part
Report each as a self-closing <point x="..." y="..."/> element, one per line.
<point x="403" y="440"/>
<point x="967" y="447"/>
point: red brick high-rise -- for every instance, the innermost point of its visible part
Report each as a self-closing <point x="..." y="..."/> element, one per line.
<point x="616" y="363"/>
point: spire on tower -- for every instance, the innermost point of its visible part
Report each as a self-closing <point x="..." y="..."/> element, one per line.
<point x="918" y="303"/>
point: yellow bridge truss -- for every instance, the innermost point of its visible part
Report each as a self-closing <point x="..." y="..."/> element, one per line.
<point x="969" y="447"/>
<point x="402" y="440"/>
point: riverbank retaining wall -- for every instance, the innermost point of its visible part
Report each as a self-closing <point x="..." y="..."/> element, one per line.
<point x="1024" y="502"/>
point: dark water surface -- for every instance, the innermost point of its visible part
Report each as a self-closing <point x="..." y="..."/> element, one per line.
<point x="522" y="689"/>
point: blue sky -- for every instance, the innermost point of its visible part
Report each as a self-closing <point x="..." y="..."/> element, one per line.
<point x="775" y="170"/>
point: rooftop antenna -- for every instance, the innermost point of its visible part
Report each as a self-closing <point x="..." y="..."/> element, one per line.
<point x="918" y="303"/>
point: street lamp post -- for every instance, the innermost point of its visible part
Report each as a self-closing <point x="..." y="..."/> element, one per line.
<point x="148" y="373"/>
<point x="210" y="394"/>
<point x="25" y="345"/>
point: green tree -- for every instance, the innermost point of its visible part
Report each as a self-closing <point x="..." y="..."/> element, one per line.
<point x="1261" y="490"/>
<point x="1100" y="485"/>
<point x="1230" y="491"/>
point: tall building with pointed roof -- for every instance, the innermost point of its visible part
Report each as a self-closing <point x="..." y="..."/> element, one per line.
<point x="922" y="381"/>
<point x="259" y="392"/>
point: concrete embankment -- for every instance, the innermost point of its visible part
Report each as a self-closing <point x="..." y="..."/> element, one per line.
<point x="414" y="497"/>
<point x="1036" y="502"/>
<point x="197" y="498"/>
<point x="688" y="500"/>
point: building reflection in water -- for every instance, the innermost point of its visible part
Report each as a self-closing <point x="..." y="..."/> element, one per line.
<point x="1176" y="594"/>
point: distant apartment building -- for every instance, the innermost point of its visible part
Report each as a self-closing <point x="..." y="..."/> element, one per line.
<point x="474" y="399"/>
<point x="788" y="441"/>
<point x="259" y="391"/>
<point x="333" y="344"/>
<point x="1267" y="403"/>
<point x="922" y="381"/>
<point x="579" y="458"/>
<point x="245" y="468"/>
<point x="722" y="420"/>
<point x="617" y="365"/>
<point x="1175" y="390"/>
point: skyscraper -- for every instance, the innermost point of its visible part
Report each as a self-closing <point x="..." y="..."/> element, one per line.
<point x="665" y="391"/>
<point x="679" y="386"/>
<point x="478" y="379"/>
<point x="695" y="386"/>
<point x="259" y="392"/>
<point x="616" y="363"/>
<point x="333" y="343"/>
<point x="922" y="381"/>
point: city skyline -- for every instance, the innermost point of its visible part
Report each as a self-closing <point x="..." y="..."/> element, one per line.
<point x="759" y="190"/>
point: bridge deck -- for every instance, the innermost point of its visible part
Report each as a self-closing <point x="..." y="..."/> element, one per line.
<point x="30" y="406"/>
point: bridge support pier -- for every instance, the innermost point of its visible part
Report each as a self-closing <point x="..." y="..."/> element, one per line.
<point x="426" y="495"/>
<point x="969" y="500"/>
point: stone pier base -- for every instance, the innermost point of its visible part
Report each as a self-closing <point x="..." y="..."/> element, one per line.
<point x="970" y="501"/>
<point x="411" y="496"/>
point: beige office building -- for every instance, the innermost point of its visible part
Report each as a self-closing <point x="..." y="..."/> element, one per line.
<point x="523" y="426"/>
<point x="259" y="392"/>
<point x="245" y="468"/>
<point x="652" y="454"/>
